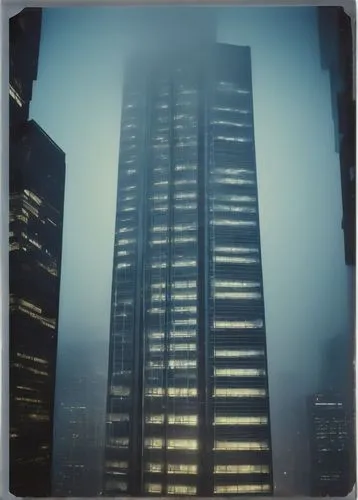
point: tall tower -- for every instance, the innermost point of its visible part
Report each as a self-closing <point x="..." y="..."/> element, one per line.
<point x="188" y="405"/>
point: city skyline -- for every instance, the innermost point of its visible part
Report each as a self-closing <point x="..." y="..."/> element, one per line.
<point x="306" y="281"/>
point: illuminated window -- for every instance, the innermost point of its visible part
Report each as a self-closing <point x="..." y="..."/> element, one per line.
<point x="241" y="469"/>
<point x="153" y="488"/>
<point x="185" y="196"/>
<point x="154" y="419"/>
<point x="241" y="445"/>
<point x="226" y="420"/>
<point x="120" y="391"/>
<point x="186" y="206"/>
<point x="159" y="229"/>
<point x="114" y="464"/>
<point x="184" y="239"/>
<point x="239" y="372"/>
<point x="182" y="444"/>
<point x="155" y="364"/>
<point x="235" y="198"/>
<point x="156" y="335"/>
<point x="123" y="242"/>
<point x="154" y="467"/>
<point x="180" y="489"/>
<point x="238" y="295"/>
<point x="123" y="265"/>
<point x="183" y="334"/>
<point x="242" y="488"/>
<point x="41" y="361"/>
<point x="183" y="419"/>
<point x="233" y="208"/>
<point x="118" y="417"/>
<point x="182" y="363"/>
<point x="242" y="249"/>
<point x="184" y="263"/>
<point x="160" y="242"/>
<point x="155" y="392"/>
<point x="156" y="310"/>
<point x="156" y="348"/>
<point x="238" y="324"/>
<point x="185" y="227"/>
<point x="232" y="222"/>
<point x="185" y="309"/>
<point x="232" y="139"/>
<point x="15" y="96"/>
<point x="231" y="87"/>
<point x="184" y="284"/>
<point x="230" y="123"/>
<point x="182" y="392"/>
<point x="159" y="265"/>
<point x="182" y="469"/>
<point x="183" y="347"/>
<point x="122" y="442"/>
<point x="243" y="353"/>
<point x="234" y="180"/>
<point x="184" y="322"/>
<point x="226" y="392"/>
<point x="184" y="296"/>
<point x="159" y="285"/>
<point x="229" y="259"/>
<point x="154" y="443"/>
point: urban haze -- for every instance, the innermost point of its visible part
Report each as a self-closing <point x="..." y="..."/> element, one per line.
<point x="307" y="278"/>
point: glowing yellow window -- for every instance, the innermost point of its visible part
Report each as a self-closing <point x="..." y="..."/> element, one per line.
<point x="154" y="467"/>
<point x="153" y="488"/>
<point x="182" y="444"/>
<point x="239" y="372"/>
<point x="242" y="488"/>
<point x="154" y="443"/>
<point x="154" y="392"/>
<point x="240" y="445"/>
<point x="183" y="419"/>
<point x="180" y="489"/>
<point x="182" y="392"/>
<point x="225" y="420"/>
<point x="222" y="392"/>
<point x="154" y="419"/>
<point x="182" y="469"/>
<point x="241" y="469"/>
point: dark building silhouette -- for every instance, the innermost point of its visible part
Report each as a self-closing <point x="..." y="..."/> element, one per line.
<point x="37" y="182"/>
<point x="188" y="405"/>
<point x="25" y="33"/>
<point x="330" y="446"/>
<point x="336" y="42"/>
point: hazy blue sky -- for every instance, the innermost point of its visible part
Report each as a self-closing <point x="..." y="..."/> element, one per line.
<point x="77" y="100"/>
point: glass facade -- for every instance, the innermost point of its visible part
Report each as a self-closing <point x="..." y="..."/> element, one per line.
<point x="37" y="181"/>
<point x="187" y="410"/>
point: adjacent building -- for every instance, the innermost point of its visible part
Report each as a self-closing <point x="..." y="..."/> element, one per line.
<point x="337" y="56"/>
<point x="188" y="402"/>
<point x="330" y="446"/>
<point x="37" y="182"/>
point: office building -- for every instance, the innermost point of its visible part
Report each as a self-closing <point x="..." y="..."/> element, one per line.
<point x="330" y="446"/>
<point x="37" y="174"/>
<point x="188" y="403"/>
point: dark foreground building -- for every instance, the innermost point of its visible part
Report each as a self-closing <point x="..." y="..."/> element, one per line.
<point x="331" y="460"/>
<point x="37" y="181"/>
<point x="337" y="53"/>
<point x="188" y="404"/>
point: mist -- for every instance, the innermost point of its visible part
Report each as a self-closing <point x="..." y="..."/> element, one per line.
<point x="77" y="99"/>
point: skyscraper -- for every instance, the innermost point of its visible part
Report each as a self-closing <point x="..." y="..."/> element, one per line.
<point x="37" y="183"/>
<point x="188" y="405"/>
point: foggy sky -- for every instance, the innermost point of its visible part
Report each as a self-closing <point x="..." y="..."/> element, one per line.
<point x="77" y="100"/>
